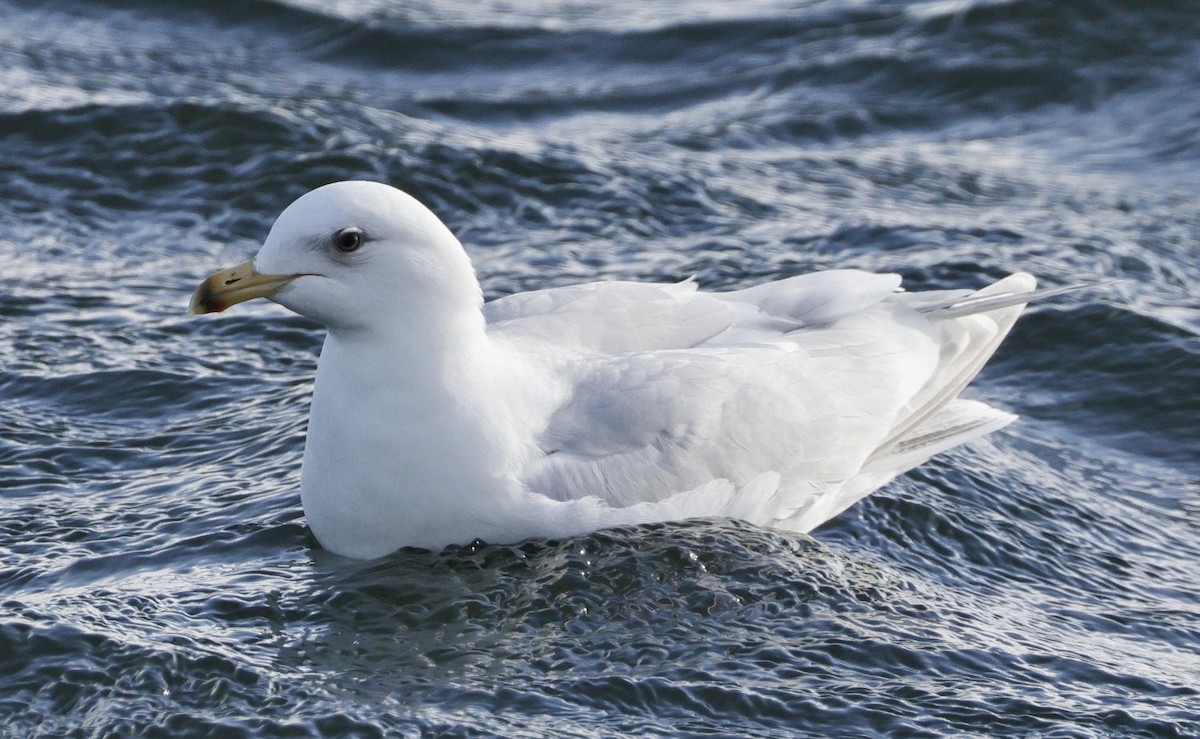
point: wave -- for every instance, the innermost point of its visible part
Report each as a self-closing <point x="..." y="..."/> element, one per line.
<point x="1107" y="374"/>
<point x="982" y="58"/>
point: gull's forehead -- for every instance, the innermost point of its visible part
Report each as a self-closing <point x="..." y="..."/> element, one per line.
<point x="344" y="204"/>
<point x="387" y="216"/>
<point x="321" y="209"/>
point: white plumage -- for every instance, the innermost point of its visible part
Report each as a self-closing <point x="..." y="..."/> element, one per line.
<point x="437" y="419"/>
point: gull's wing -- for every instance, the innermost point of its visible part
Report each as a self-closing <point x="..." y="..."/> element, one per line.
<point x="610" y="317"/>
<point x="622" y="317"/>
<point x="811" y="409"/>
<point x="830" y="410"/>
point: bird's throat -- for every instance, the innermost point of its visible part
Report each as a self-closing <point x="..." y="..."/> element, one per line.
<point x="368" y="478"/>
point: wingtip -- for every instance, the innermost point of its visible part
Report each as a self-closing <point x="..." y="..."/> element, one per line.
<point x="1018" y="288"/>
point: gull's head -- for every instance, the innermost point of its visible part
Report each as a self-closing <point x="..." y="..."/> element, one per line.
<point x="347" y="251"/>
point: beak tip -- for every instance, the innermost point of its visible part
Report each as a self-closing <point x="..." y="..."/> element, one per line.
<point x="203" y="302"/>
<point x="232" y="286"/>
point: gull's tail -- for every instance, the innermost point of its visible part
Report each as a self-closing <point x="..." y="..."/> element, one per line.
<point x="971" y="326"/>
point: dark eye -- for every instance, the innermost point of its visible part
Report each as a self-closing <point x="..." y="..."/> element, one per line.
<point x="348" y="239"/>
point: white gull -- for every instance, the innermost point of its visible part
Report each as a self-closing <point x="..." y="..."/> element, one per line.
<point x="437" y="419"/>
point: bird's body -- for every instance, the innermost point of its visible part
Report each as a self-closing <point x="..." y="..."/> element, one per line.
<point x="437" y="419"/>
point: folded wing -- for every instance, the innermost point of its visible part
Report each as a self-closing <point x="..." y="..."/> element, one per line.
<point x="829" y="384"/>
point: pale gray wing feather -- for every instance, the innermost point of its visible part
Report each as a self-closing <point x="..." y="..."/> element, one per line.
<point x="644" y="426"/>
<point x="611" y="317"/>
<point x="620" y="317"/>
<point x="828" y="383"/>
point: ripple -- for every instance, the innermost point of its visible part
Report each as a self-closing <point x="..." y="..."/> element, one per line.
<point x="156" y="573"/>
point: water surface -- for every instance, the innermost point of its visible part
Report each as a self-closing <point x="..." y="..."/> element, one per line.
<point x="156" y="574"/>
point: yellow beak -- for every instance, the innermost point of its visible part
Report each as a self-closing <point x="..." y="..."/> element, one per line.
<point x="234" y="285"/>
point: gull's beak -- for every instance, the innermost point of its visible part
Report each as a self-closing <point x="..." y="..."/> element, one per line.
<point x="235" y="285"/>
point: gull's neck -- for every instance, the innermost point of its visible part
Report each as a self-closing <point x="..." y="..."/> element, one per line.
<point x="405" y="425"/>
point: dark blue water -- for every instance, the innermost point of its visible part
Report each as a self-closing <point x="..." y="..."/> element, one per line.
<point x="156" y="574"/>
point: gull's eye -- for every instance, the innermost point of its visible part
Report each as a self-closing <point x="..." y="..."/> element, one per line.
<point x="348" y="239"/>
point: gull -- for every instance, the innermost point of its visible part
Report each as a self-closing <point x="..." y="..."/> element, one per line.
<point x="439" y="419"/>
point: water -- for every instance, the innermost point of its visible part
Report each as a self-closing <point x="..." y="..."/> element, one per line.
<point x="156" y="575"/>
